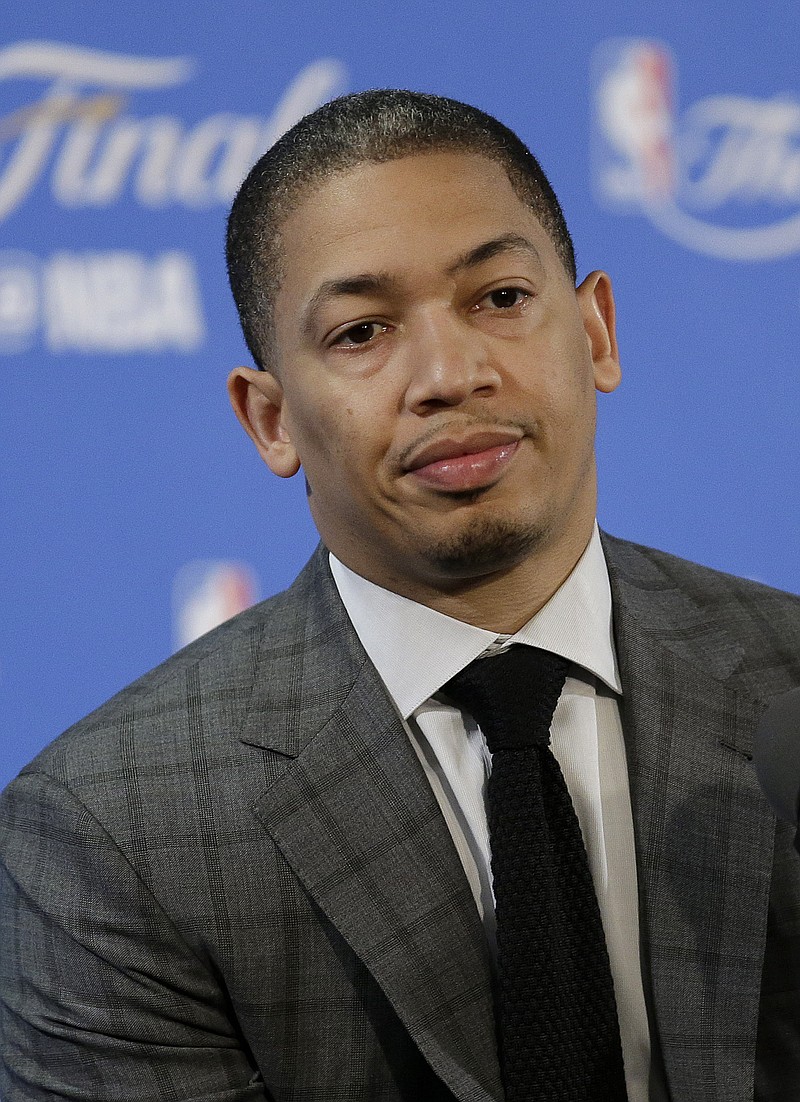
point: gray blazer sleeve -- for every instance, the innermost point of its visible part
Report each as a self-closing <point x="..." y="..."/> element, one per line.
<point x="100" y="997"/>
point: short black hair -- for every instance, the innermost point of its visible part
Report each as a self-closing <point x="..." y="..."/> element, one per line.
<point x="362" y="128"/>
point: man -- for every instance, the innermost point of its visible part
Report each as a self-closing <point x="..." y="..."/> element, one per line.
<point x="263" y="871"/>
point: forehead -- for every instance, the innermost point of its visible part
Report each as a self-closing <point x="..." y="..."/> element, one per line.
<point x="413" y="212"/>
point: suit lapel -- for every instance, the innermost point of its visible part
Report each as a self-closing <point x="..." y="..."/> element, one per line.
<point x="703" y="831"/>
<point x="355" y="818"/>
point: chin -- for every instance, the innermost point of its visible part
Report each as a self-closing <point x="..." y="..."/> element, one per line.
<point x="486" y="546"/>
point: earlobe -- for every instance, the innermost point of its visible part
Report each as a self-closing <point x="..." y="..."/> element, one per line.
<point x="596" y="302"/>
<point x="257" y="400"/>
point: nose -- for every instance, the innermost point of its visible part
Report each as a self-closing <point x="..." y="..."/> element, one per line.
<point x="449" y="363"/>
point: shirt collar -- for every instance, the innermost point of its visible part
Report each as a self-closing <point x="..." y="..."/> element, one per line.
<point x="416" y="649"/>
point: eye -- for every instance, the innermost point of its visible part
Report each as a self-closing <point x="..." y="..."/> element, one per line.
<point x="504" y="298"/>
<point x="360" y="334"/>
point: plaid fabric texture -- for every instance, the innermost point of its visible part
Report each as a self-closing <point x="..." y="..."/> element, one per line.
<point x="232" y="882"/>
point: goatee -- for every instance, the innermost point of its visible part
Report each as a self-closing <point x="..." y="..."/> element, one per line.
<point x="485" y="546"/>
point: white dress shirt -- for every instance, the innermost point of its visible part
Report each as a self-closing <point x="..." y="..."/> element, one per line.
<point x="416" y="650"/>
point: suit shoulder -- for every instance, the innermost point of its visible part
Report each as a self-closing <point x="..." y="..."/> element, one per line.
<point x="656" y="569"/>
<point x="760" y="622"/>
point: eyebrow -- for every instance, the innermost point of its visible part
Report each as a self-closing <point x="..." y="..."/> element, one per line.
<point x="487" y="250"/>
<point x="382" y="283"/>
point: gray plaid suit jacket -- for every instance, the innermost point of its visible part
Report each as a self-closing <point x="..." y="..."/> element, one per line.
<point x="233" y="882"/>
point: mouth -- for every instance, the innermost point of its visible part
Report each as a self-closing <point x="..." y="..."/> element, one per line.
<point x="465" y="464"/>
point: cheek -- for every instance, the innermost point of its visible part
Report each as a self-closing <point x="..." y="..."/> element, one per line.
<point x="573" y="378"/>
<point x="336" y="443"/>
<point x="560" y="387"/>
<point x="562" y="399"/>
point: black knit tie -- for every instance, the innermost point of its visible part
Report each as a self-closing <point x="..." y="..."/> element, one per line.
<point x="557" y="1017"/>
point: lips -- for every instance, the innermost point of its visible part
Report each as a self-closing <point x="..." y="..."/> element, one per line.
<point x="468" y="463"/>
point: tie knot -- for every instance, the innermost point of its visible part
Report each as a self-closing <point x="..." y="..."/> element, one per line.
<point x="512" y="695"/>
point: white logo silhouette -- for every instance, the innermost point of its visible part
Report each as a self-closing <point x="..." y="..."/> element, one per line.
<point x="733" y="157"/>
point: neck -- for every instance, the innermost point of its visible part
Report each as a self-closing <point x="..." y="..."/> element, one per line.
<point x="504" y="600"/>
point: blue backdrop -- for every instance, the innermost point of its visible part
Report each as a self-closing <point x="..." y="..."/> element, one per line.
<point x="136" y="513"/>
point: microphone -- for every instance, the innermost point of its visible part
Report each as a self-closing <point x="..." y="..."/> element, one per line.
<point x="776" y="752"/>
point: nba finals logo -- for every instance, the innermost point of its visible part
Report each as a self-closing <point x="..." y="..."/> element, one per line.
<point x="721" y="177"/>
<point x="89" y="130"/>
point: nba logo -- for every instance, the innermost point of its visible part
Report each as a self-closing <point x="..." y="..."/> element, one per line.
<point x="206" y="593"/>
<point x="634" y="123"/>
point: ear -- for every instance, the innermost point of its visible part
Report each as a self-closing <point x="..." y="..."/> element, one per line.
<point x="596" y="303"/>
<point x="257" y="400"/>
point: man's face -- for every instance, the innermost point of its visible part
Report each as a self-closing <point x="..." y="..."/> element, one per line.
<point x="436" y="374"/>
